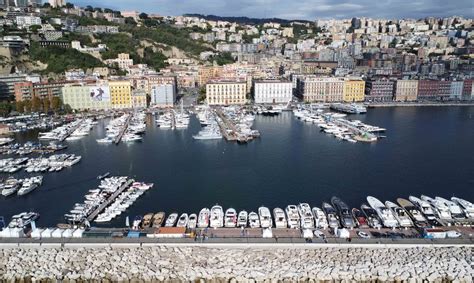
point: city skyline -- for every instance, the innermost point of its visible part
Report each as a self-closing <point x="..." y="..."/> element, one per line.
<point x="285" y="9"/>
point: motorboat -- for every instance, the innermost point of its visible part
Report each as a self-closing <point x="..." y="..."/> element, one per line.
<point x="203" y="219"/>
<point x="280" y="219"/>
<point x="321" y="222"/>
<point x="192" y="221"/>
<point x="415" y="214"/>
<point x="344" y="212"/>
<point x="467" y="206"/>
<point x="147" y="220"/>
<point x="360" y="218"/>
<point x="424" y="207"/>
<point x="440" y="208"/>
<point x="217" y="217"/>
<point x="11" y="186"/>
<point x="230" y="218"/>
<point x="306" y="216"/>
<point x="183" y="220"/>
<point x="371" y="215"/>
<point x="254" y="221"/>
<point x="400" y="214"/>
<point x="454" y="208"/>
<point x="23" y="219"/>
<point x="158" y="219"/>
<point x="171" y="220"/>
<point x="242" y="219"/>
<point x="385" y="214"/>
<point x="265" y="217"/>
<point x="331" y="215"/>
<point x="292" y="216"/>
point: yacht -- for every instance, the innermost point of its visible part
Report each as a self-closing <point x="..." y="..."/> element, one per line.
<point x="292" y="216"/>
<point x="217" y="217"/>
<point x="280" y="219"/>
<point x="171" y="220"/>
<point x="192" y="221"/>
<point x="158" y="219"/>
<point x="183" y="220"/>
<point x="345" y="215"/>
<point x="23" y="219"/>
<point x="424" y="207"/>
<point x="254" y="221"/>
<point x="454" y="208"/>
<point x="440" y="208"/>
<point x="29" y="185"/>
<point x="230" y="218"/>
<point x="418" y="219"/>
<point x="265" y="217"/>
<point x="400" y="214"/>
<point x="320" y="218"/>
<point x="371" y="215"/>
<point x="385" y="214"/>
<point x="147" y="220"/>
<point x="11" y="186"/>
<point x="203" y="219"/>
<point x="242" y="219"/>
<point x="331" y="215"/>
<point x="306" y="216"/>
<point x="360" y="218"/>
<point x="466" y="205"/>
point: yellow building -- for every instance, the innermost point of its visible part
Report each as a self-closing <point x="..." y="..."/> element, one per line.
<point x="354" y="90"/>
<point x="120" y="94"/>
<point x="226" y="92"/>
<point x="139" y="98"/>
<point x="207" y="73"/>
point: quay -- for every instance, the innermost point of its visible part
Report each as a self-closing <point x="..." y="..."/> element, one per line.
<point x="417" y="104"/>
<point x="103" y="205"/>
<point x="69" y="132"/>
<point x="359" y="134"/>
<point x="122" y="131"/>
<point x="229" y="130"/>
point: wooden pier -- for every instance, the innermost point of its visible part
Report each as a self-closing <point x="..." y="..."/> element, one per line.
<point x="122" y="132"/>
<point x="103" y="205"/>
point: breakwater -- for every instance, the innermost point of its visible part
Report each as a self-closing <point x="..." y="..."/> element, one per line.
<point x="231" y="264"/>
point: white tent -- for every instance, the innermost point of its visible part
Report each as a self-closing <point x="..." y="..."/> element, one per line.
<point x="78" y="233"/>
<point x="46" y="233"/>
<point x="343" y="233"/>
<point x="36" y="233"/>
<point x="267" y="233"/>
<point x="308" y="233"/>
<point x="57" y="233"/>
<point x="68" y="233"/>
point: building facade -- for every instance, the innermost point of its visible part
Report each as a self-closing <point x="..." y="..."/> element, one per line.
<point x="139" y="99"/>
<point x="29" y="90"/>
<point x="79" y="97"/>
<point x="455" y="91"/>
<point x="321" y="89"/>
<point x="226" y="93"/>
<point x="406" y="90"/>
<point x="120" y="94"/>
<point x="354" y="90"/>
<point x="163" y="95"/>
<point x="273" y="91"/>
<point x="379" y="90"/>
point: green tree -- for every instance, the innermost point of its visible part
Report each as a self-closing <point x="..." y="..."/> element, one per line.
<point x="20" y="106"/>
<point x="35" y="28"/>
<point x="5" y="109"/>
<point x="67" y="108"/>
<point x="27" y="105"/>
<point x="56" y="104"/>
<point x="202" y="95"/>
<point x="46" y="104"/>
<point x="36" y="104"/>
<point x="224" y="58"/>
<point x="143" y="16"/>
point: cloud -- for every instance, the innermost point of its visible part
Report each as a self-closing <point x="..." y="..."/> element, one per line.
<point x="291" y="9"/>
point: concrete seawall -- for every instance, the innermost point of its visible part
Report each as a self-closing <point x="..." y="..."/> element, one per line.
<point x="235" y="262"/>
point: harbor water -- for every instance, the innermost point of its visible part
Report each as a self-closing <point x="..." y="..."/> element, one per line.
<point x="428" y="150"/>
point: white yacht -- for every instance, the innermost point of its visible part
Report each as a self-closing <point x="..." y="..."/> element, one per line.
<point x="320" y="218"/>
<point x="292" y="216"/>
<point x="440" y="208"/>
<point x="400" y="214"/>
<point x="466" y="205"/>
<point x="385" y="214"/>
<point x="192" y="221"/>
<point x="183" y="220"/>
<point x="242" y="219"/>
<point x="454" y="208"/>
<point x="424" y="207"/>
<point x="203" y="220"/>
<point x="331" y="214"/>
<point x="418" y="219"/>
<point x="280" y="219"/>
<point x="230" y="218"/>
<point x="254" y="221"/>
<point x="171" y="220"/>
<point x="217" y="217"/>
<point x="306" y="216"/>
<point x="265" y="217"/>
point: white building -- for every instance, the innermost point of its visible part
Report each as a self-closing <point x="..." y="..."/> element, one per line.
<point x="26" y="21"/>
<point x="273" y="91"/>
<point x="163" y="95"/>
<point x="123" y="61"/>
<point x="57" y="3"/>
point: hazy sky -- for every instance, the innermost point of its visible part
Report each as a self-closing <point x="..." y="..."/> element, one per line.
<point x="295" y="9"/>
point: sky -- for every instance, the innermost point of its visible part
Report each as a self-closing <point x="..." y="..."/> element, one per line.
<point x="295" y="9"/>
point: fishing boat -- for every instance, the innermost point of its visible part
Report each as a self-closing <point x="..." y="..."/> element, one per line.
<point x="203" y="219"/>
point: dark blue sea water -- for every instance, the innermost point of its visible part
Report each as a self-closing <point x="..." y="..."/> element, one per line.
<point x="428" y="150"/>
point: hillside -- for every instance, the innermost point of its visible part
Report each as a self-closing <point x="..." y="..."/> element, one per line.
<point x="245" y="20"/>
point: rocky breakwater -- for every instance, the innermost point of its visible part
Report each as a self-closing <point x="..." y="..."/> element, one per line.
<point x="161" y="263"/>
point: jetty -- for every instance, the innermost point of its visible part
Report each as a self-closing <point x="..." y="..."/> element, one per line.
<point x="122" y="131"/>
<point x="359" y="134"/>
<point x="103" y="205"/>
<point x="69" y="131"/>
<point x="230" y="131"/>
